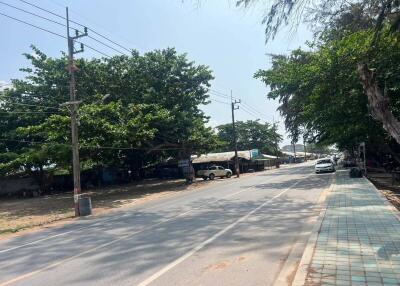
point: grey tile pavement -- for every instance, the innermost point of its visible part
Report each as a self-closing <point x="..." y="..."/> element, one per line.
<point x="359" y="239"/>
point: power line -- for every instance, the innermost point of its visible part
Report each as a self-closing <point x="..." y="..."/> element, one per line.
<point x="26" y="104"/>
<point x="32" y="25"/>
<point x="40" y="8"/>
<point x="31" y="13"/>
<point x="33" y="105"/>
<point x="54" y="33"/>
<point x="128" y="50"/>
<point x="90" y="146"/>
<point x="249" y="107"/>
<point x="222" y="96"/>
<point x="253" y="109"/>
<point x="61" y="24"/>
<point x="77" y="23"/>
<point x="221" y="93"/>
<point x="27" y="112"/>
<point x="94" y="49"/>
<point x="104" y="37"/>
<point x="222" y="102"/>
<point x="104" y="44"/>
<point x="250" y="113"/>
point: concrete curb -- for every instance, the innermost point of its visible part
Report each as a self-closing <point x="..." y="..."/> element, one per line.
<point x="304" y="265"/>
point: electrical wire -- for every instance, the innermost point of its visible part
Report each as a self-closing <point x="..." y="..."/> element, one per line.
<point x="63" y="25"/>
<point x="26" y="104"/>
<point x="250" y="109"/>
<point x="32" y="25"/>
<point x="27" y="112"/>
<point x="221" y="96"/>
<point x="94" y="49"/>
<point x="82" y="146"/>
<point x="54" y="33"/>
<point x="84" y="17"/>
<point x="77" y="23"/>
<point x="31" y="13"/>
<point x="222" y="102"/>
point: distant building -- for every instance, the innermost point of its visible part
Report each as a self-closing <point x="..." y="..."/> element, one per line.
<point x="247" y="161"/>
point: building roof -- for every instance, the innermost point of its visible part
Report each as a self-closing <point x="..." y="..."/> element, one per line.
<point x="298" y="154"/>
<point x="220" y="157"/>
<point x="268" y="156"/>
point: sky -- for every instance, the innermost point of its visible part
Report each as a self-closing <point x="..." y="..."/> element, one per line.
<point x="216" y="33"/>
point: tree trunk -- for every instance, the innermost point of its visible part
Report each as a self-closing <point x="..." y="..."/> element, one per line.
<point x="378" y="102"/>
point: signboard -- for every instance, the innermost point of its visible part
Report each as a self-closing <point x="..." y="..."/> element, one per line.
<point x="183" y="163"/>
<point x="254" y="153"/>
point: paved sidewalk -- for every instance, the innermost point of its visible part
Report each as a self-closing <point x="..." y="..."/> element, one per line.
<point x="359" y="239"/>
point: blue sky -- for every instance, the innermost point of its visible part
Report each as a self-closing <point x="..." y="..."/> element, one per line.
<point x="229" y="40"/>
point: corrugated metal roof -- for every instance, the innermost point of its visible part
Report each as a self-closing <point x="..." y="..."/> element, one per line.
<point x="269" y="156"/>
<point x="298" y="154"/>
<point x="220" y="157"/>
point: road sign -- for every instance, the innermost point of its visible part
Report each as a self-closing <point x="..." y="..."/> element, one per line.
<point x="254" y="153"/>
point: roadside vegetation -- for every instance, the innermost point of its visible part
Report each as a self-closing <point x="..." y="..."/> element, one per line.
<point x="344" y="88"/>
<point x="134" y="111"/>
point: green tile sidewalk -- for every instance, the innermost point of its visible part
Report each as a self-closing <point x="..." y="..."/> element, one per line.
<point x="359" y="239"/>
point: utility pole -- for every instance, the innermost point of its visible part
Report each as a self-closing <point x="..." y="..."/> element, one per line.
<point x="234" y="107"/>
<point x="294" y="150"/>
<point x="73" y="108"/>
<point x="305" y="150"/>
<point x="276" y="146"/>
<point x="365" y="159"/>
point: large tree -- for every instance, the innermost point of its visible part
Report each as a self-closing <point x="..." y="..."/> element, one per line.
<point x="337" y="20"/>
<point x="250" y="135"/>
<point x="320" y="93"/>
<point x="135" y="110"/>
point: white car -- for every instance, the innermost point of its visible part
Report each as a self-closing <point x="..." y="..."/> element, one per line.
<point x="324" y="165"/>
<point x="214" y="171"/>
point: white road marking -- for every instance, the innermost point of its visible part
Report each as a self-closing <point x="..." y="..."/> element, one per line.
<point x="211" y="239"/>
<point x="50" y="237"/>
<point x="100" y="222"/>
<point x="57" y="263"/>
<point x="96" y="223"/>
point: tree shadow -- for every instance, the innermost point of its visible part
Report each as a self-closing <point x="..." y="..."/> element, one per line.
<point x="167" y="234"/>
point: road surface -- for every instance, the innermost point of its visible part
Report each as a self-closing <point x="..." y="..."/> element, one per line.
<point x="233" y="232"/>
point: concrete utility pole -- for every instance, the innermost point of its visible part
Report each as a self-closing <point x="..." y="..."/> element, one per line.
<point x="294" y="150"/>
<point x="305" y="150"/>
<point x="276" y="146"/>
<point x="365" y="159"/>
<point x="234" y="107"/>
<point x="73" y="107"/>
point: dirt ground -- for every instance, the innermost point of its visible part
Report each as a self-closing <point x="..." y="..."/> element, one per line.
<point x="383" y="182"/>
<point x="22" y="214"/>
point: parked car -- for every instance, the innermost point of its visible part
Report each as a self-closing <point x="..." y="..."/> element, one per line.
<point x="324" y="165"/>
<point x="214" y="171"/>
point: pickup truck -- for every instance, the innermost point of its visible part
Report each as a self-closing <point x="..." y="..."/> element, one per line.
<point x="214" y="171"/>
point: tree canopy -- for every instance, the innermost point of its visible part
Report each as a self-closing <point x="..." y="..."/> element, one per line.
<point x="250" y="135"/>
<point x="319" y="89"/>
<point x="135" y="110"/>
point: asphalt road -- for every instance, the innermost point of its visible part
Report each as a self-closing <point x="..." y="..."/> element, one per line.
<point x="233" y="232"/>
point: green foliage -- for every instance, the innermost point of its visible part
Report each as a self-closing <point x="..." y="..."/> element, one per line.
<point x="333" y="18"/>
<point x="135" y="111"/>
<point x="320" y="92"/>
<point x="250" y="135"/>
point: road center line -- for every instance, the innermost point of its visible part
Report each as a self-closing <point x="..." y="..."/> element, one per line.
<point x="211" y="239"/>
